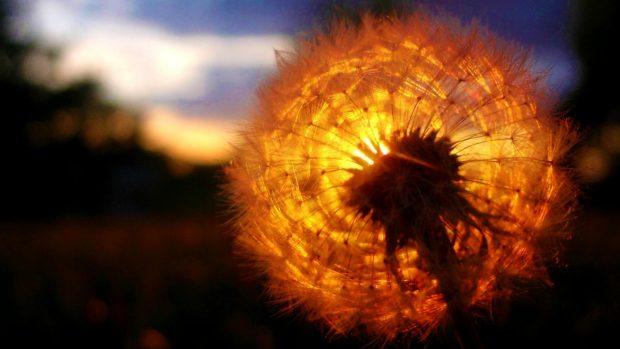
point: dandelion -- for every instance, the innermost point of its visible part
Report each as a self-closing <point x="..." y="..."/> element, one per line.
<point x="401" y="175"/>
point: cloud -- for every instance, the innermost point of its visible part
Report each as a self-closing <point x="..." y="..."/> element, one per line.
<point x="57" y="21"/>
<point x="142" y="62"/>
<point x="138" y="62"/>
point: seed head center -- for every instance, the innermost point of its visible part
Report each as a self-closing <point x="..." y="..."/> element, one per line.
<point x="410" y="184"/>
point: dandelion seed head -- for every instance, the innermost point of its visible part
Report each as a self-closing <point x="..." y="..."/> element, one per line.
<point x="375" y="147"/>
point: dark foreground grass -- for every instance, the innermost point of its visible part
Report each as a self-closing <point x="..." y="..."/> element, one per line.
<point x="172" y="282"/>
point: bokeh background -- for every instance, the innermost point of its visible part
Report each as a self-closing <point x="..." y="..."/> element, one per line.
<point x="118" y="117"/>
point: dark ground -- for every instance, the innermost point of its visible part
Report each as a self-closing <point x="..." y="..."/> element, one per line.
<point x="172" y="282"/>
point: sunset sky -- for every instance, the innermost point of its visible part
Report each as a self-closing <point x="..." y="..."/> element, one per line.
<point x="191" y="67"/>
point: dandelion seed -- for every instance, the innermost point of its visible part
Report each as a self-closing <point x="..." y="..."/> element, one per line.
<point x="399" y="176"/>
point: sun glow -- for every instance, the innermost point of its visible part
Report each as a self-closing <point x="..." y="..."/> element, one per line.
<point x="194" y="140"/>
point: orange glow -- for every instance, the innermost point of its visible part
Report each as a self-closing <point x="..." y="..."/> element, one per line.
<point x="345" y="102"/>
<point x="193" y="140"/>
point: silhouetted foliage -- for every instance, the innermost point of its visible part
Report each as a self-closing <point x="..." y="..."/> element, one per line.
<point x="68" y="151"/>
<point x="595" y="103"/>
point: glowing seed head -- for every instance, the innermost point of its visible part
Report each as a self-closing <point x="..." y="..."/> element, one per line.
<point x="399" y="173"/>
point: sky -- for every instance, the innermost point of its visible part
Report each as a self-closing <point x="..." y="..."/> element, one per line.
<point x="193" y="65"/>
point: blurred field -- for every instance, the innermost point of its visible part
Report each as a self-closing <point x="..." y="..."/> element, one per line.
<point x="150" y="282"/>
<point x="172" y="282"/>
<point x="120" y="283"/>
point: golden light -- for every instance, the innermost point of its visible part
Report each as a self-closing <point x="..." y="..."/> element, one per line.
<point x="399" y="176"/>
<point x="193" y="140"/>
